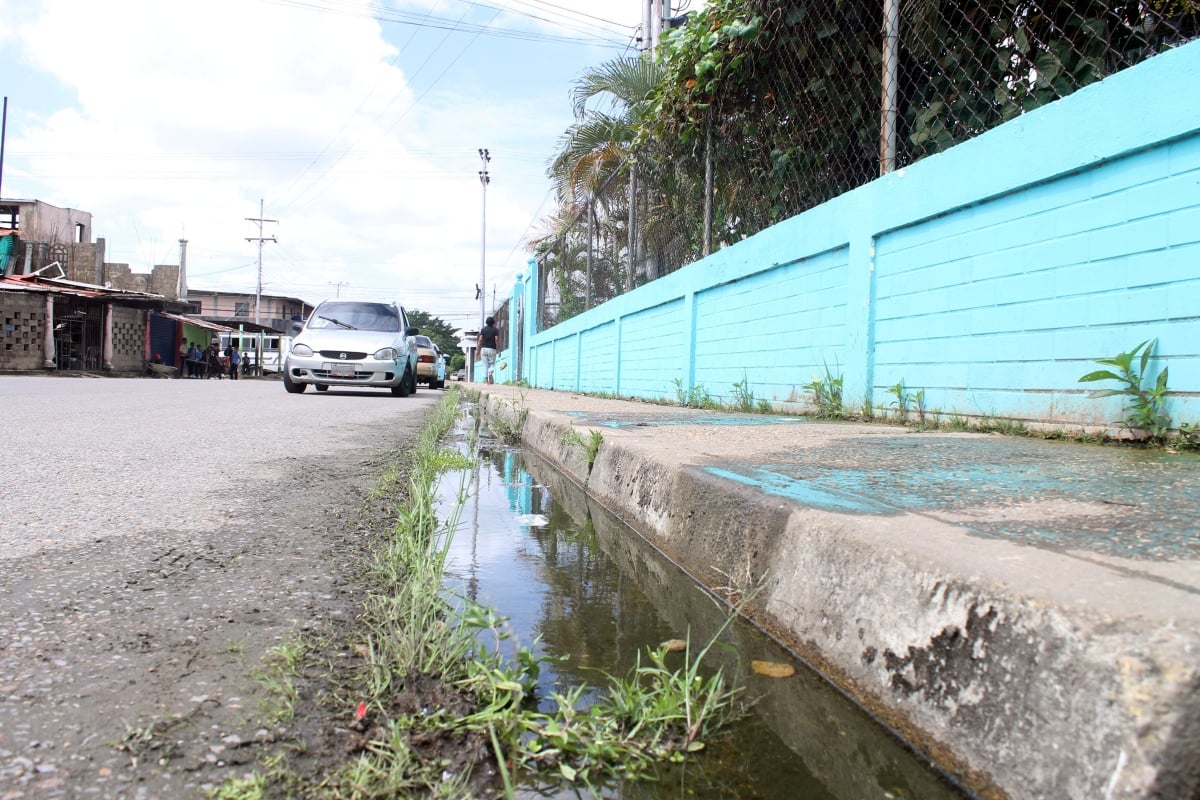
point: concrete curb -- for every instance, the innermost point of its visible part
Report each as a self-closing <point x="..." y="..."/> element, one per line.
<point x="1024" y="671"/>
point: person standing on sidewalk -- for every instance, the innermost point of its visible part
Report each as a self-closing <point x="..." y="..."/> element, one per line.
<point x="487" y="343"/>
<point x="235" y="361"/>
<point x="185" y="369"/>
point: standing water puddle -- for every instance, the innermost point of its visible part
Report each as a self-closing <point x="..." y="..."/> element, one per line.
<point x="534" y="547"/>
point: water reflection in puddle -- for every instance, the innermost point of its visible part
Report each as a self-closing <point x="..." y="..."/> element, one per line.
<point x="533" y="546"/>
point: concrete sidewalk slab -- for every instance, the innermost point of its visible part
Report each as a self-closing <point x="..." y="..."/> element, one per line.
<point x="1027" y="612"/>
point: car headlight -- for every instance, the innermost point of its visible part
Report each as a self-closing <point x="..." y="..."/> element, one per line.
<point x="387" y="354"/>
<point x="302" y="350"/>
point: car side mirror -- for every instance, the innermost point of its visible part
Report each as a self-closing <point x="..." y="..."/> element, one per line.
<point x="412" y="332"/>
<point x="295" y="327"/>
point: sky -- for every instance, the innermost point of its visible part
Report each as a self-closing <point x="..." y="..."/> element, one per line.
<point x="355" y="126"/>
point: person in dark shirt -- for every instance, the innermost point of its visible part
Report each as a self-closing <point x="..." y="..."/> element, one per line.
<point x="487" y="343"/>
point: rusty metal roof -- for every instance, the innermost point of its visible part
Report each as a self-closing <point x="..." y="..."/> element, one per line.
<point x="62" y="286"/>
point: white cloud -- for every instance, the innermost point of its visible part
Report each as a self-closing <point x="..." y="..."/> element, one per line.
<point x="171" y="120"/>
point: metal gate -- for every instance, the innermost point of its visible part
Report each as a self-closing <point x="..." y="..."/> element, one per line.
<point x="163" y="340"/>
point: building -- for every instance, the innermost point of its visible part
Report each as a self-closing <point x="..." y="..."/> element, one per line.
<point x="237" y="310"/>
<point x="63" y="307"/>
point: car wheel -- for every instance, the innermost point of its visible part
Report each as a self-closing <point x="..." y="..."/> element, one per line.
<point x="291" y="386"/>
<point x="401" y="389"/>
<point x="413" y="385"/>
<point x="321" y="387"/>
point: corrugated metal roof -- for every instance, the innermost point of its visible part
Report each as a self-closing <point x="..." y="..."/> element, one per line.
<point x="42" y="284"/>
<point x="199" y="323"/>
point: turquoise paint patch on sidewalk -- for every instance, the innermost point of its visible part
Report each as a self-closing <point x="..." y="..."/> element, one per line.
<point x="1149" y="499"/>
<point x="654" y="420"/>
<point x="803" y="492"/>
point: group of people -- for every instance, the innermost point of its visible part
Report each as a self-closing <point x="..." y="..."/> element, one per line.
<point x="199" y="362"/>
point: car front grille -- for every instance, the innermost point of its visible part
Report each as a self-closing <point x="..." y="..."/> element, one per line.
<point x="342" y="355"/>
<point x="324" y="374"/>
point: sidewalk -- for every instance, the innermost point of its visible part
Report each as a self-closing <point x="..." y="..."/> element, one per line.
<point x="1027" y="612"/>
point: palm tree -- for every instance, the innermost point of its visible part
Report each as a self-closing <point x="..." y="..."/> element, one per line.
<point x="599" y="144"/>
<point x="596" y="173"/>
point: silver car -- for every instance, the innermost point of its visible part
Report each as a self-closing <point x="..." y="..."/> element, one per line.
<point x="353" y="343"/>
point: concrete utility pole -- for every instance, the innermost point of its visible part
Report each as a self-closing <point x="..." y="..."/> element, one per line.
<point x="260" y="239"/>
<point x="891" y="67"/>
<point x="3" y="134"/>
<point x="655" y="14"/>
<point x="484" y="180"/>
<point x="181" y="291"/>
<point x="339" y="285"/>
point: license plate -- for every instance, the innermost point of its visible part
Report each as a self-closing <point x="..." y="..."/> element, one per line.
<point x="340" y="370"/>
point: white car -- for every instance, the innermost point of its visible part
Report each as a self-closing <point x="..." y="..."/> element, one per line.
<point x="353" y="343"/>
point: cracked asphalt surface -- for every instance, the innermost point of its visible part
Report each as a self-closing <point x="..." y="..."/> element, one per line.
<point x="157" y="539"/>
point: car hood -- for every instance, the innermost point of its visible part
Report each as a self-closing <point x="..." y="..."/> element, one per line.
<point x="337" y="339"/>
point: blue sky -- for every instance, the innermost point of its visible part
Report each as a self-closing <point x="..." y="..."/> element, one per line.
<point x="357" y="124"/>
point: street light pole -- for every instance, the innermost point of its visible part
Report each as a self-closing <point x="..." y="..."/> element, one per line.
<point x="484" y="180"/>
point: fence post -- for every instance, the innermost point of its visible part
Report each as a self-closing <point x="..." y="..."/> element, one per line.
<point x="590" y="234"/>
<point x="708" y="190"/>
<point x="632" y="224"/>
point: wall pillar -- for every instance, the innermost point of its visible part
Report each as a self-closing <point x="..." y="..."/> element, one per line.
<point x="48" y="337"/>
<point x="108" y="338"/>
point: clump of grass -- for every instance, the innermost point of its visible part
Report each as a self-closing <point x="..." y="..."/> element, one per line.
<point x="743" y="395"/>
<point x="827" y="394"/>
<point x="694" y="396"/>
<point x="416" y="629"/>
<point x="589" y="446"/>
<point x="251" y="787"/>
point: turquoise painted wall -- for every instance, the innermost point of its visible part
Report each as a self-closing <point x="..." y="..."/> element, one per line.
<point x="990" y="276"/>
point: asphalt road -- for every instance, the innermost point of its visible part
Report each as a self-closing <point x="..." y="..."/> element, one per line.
<point x="157" y="537"/>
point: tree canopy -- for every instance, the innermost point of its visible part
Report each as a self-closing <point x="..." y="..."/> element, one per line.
<point x="442" y="333"/>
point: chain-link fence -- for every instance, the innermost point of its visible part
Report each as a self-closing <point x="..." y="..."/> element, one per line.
<point x="762" y="109"/>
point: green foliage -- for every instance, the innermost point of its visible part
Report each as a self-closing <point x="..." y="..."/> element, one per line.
<point x="252" y="787"/>
<point x="457" y="361"/>
<point x="827" y="394"/>
<point x="919" y="405"/>
<point x="868" y="407"/>
<point x="1006" y="61"/>
<point x="661" y="712"/>
<point x="1146" y="404"/>
<point x="743" y="395"/>
<point x="441" y="332"/>
<point x="658" y="713"/>
<point x="1189" y="436"/>
<point x="694" y="396"/>
<point x="590" y="446"/>
<point x="782" y="99"/>
<point x="903" y="398"/>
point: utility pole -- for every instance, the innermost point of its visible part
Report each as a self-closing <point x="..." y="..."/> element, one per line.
<point x="181" y="291"/>
<point x="484" y="180"/>
<point x="655" y="14"/>
<point x="260" y="239"/>
<point x="3" y="134"/>
<point x="339" y="285"/>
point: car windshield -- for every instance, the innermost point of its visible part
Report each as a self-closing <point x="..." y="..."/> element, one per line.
<point x="355" y="317"/>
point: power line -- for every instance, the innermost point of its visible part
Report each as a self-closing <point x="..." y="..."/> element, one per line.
<point x="382" y="14"/>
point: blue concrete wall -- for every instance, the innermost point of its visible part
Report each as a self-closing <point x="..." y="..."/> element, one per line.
<point x="990" y="276"/>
